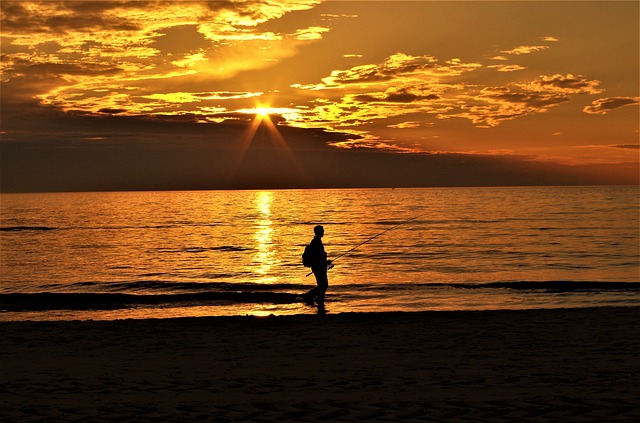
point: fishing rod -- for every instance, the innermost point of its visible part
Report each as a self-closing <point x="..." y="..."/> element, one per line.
<point x="368" y="240"/>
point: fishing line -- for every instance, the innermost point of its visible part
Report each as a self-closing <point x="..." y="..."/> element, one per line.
<point x="368" y="240"/>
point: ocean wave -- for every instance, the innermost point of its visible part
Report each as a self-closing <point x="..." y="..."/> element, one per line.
<point x="122" y="295"/>
<point x="566" y="286"/>
<point x="521" y="286"/>
<point x="226" y="248"/>
<point x="26" y="228"/>
<point x="173" y="287"/>
<point x="107" y="228"/>
<point x="113" y="301"/>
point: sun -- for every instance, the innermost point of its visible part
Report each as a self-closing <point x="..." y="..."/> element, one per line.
<point x="260" y="111"/>
<point x="263" y="111"/>
<point x="266" y="112"/>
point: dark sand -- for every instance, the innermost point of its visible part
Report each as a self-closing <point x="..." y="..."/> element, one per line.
<point x="568" y="365"/>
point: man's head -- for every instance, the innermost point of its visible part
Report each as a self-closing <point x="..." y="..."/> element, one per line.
<point x="319" y="231"/>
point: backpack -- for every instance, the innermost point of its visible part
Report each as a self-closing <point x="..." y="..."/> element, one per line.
<point x="307" y="256"/>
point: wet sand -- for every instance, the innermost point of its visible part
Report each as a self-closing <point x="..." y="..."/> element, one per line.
<point x="567" y="365"/>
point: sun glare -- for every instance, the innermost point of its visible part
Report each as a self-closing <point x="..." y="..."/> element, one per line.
<point x="262" y="117"/>
<point x="260" y="111"/>
<point x="263" y="111"/>
<point x="266" y="111"/>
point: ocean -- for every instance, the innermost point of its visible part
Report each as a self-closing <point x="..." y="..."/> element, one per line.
<point x="120" y="255"/>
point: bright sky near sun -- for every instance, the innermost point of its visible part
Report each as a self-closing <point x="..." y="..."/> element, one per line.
<point x="548" y="81"/>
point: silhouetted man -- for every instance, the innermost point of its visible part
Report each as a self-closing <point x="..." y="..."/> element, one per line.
<point x="319" y="266"/>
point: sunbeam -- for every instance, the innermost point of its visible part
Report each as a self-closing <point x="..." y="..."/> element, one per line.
<point x="262" y="117"/>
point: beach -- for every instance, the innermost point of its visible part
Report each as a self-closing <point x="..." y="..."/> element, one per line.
<point x="536" y="365"/>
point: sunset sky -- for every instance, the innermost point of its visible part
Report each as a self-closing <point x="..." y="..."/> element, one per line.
<point x="111" y="95"/>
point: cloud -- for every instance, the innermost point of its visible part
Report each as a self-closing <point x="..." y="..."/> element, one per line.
<point x="564" y="84"/>
<point x="401" y="94"/>
<point x="406" y="125"/>
<point x="25" y="17"/>
<point x="525" y="50"/>
<point x="604" y="105"/>
<point x="184" y="97"/>
<point x="507" y="68"/>
<point x="115" y="152"/>
<point x="374" y="143"/>
<point x="490" y="106"/>
<point x="393" y="67"/>
<point x="179" y="40"/>
<point x="127" y="153"/>
<point x="405" y="85"/>
<point x="111" y="55"/>
<point x="626" y="146"/>
<point x="48" y="70"/>
<point x="311" y="33"/>
<point x="151" y="60"/>
<point x="401" y="84"/>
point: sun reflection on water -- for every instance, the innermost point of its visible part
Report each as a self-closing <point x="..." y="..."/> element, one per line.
<point x="265" y="253"/>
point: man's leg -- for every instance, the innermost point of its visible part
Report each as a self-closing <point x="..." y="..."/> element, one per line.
<point x="323" y="284"/>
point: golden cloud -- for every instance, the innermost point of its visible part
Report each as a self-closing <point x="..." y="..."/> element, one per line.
<point x="408" y="85"/>
<point x="406" y="125"/>
<point x="507" y="68"/>
<point x="563" y="84"/>
<point x="108" y="55"/>
<point x="395" y="66"/>
<point x="183" y="97"/>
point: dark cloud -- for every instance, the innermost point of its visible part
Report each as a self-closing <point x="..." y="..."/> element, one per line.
<point x="603" y="105"/>
<point x="396" y="96"/>
<point x="112" y="111"/>
<point x="534" y="100"/>
<point x="76" y="16"/>
<point x="80" y="151"/>
<point x="180" y="40"/>
<point x="217" y="6"/>
<point x="54" y="69"/>
<point x="629" y="146"/>
<point x="407" y="95"/>
<point x="394" y="66"/>
<point x="565" y="83"/>
<point x="249" y="8"/>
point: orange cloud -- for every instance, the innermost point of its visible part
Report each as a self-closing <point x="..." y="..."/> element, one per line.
<point x="525" y="50"/>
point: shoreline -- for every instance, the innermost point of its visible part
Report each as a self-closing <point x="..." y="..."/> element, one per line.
<point x="573" y="364"/>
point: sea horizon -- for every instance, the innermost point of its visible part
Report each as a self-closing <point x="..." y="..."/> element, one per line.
<point x="326" y="188"/>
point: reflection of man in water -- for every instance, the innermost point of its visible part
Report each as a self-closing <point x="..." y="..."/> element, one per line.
<point x="319" y="267"/>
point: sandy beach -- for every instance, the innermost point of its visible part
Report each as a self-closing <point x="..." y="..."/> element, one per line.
<point x="543" y="365"/>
